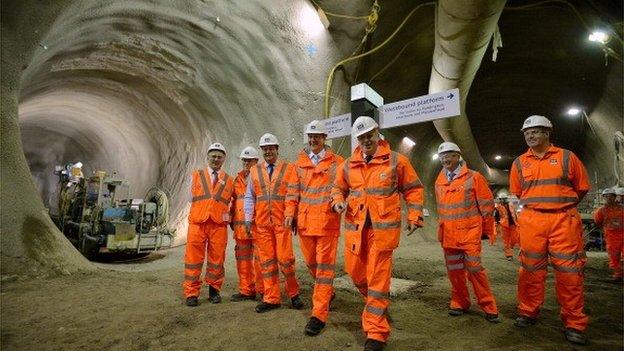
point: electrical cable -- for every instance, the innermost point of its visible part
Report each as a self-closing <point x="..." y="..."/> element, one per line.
<point x="339" y="15"/>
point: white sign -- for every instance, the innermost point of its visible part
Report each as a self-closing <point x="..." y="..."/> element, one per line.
<point x="420" y="109"/>
<point x="338" y="126"/>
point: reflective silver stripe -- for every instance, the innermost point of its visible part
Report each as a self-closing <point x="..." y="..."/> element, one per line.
<point x="204" y="182"/>
<point x="244" y="258"/>
<point x="324" y="281"/>
<point x="487" y="214"/>
<point x="193" y="265"/>
<point x="393" y="169"/>
<point x="268" y="263"/>
<point x="345" y="173"/>
<point x="378" y="294"/>
<point x="243" y="247"/>
<point x="468" y="186"/>
<point x="534" y="255"/>
<point x="485" y="202"/>
<point x="325" y="266"/>
<point x="310" y="201"/>
<point x="278" y="182"/>
<point x="415" y="207"/>
<point x="215" y="276"/>
<point x="454" y="257"/>
<point x="238" y="223"/>
<point x="456" y="206"/>
<point x="214" y="266"/>
<point x="549" y="181"/>
<point x="380" y="191"/>
<point x="473" y="258"/>
<point x="318" y="190"/>
<point x="566" y="165"/>
<point x="270" y="197"/>
<point x="293" y="186"/>
<point x="375" y="310"/>
<point x="454" y="267"/>
<point x="287" y="264"/>
<point x="355" y="193"/>
<point x="192" y="278"/>
<point x="473" y="212"/>
<point x="568" y="257"/>
<point x="474" y="269"/>
<point x="519" y="168"/>
<point x="221" y="189"/>
<point x="533" y="268"/>
<point x="388" y="225"/>
<point x="548" y="199"/>
<point x="271" y="273"/>
<point x="291" y="197"/>
<point x="566" y="269"/>
<point x="350" y="226"/>
<point x="411" y="185"/>
<point x="263" y="188"/>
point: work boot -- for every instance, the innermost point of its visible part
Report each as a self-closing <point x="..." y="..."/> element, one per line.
<point x="213" y="295"/>
<point x="492" y="318"/>
<point x="260" y="297"/>
<point x="296" y="302"/>
<point x="524" y="321"/>
<point x="265" y="307"/>
<point x="374" y="345"/>
<point x="242" y="297"/>
<point x="192" y="301"/>
<point x="455" y="312"/>
<point x="314" y="326"/>
<point x="333" y="297"/>
<point x="575" y="336"/>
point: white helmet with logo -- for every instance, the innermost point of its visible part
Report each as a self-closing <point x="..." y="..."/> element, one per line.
<point x="216" y="146"/>
<point x="316" y="127"/>
<point x="608" y="191"/>
<point x="268" y="139"/>
<point x="619" y="191"/>
<point x="249" y="152"/>
<point x="448" y="146"/>
<point x="363" y="124"/>
<point x="536" y="121"/>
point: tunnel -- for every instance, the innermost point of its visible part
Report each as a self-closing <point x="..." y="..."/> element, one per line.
<point x="142" y="88"/>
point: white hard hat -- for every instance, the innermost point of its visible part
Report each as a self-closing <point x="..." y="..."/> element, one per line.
<point x="316" y="127"/>
<point x="363" y="124"/>
<point x="216" y="146"/>
<point x="608" y="191"/>
<point x="268" y="139"/>
<point x="536" y="121"/>
<point x="503" y="196"/>
<point x="77" y="165"/>
<point x="619" y="191"/>
<point x="249" y="152"/>
<point x="448" y="146"/>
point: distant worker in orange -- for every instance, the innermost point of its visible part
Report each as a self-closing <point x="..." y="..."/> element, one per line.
<point x="212" y="191"/>
<point x="309" y="202"/>
<point x="610" y="218"/>
<point x="466" y="213"/>
<point x="245" y="251"/>
<point x="507" y="220"/>
<point x="368" y="185"/>
<point x="550" y="182"/>
<point x="264" y="205"/>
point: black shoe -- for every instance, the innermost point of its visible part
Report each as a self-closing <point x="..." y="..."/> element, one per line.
<point x="575" y="336"/>
<point x="524" y="321"/>
<point x="314" y="326"/>
<point x="242" y="297"/>
<point x="213" y="295"/>
<point x="509" y="258"/>
<point x="492" y="318"/>
<point x="296" y="303"/>
<point x="331" y="301"/>
<point x="374" y="345"/>
<point x="260" y="297"/>
<point x="455" y="312"/>
<point x="192" y="301"/>
<point x="264" y="307"/>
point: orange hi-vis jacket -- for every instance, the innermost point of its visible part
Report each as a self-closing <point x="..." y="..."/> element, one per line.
<point x="208" y="202"/>
<point x="271" y="194"/>
<point x="465" y="208"/>
<point x="610" y="218"/>
<point x="374" y="189"/>
<point x="550" y="183"/>
<point x="309" y="195"/>
<point x="238" y="213"/>
<point x="505" y="213"/>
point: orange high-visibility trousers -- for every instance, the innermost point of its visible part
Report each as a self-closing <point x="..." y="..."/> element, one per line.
<point x="615" y="249"/>
<point x="510" y="239"/>
<point x="204" y="238"/>
<point x="248" y="267"/>
<point x="319" y="253"/>
<point x="466" y="263"/>
<point x="276" y="254"/>
<point x="371" y="270"/>
<point x="560" y="236"/>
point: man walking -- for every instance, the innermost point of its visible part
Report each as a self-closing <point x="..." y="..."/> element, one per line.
<point x="610" y="218"/>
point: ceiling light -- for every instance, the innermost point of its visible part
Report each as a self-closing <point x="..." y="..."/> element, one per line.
<point x="434" y="157"/>
<point x="408" y="142"/>
<point x="573" y="111"/>
<point x="498" y="157"/>
<point x="599" y="36"/>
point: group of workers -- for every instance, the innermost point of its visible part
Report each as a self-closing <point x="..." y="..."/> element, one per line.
<point x="269" y="202"/>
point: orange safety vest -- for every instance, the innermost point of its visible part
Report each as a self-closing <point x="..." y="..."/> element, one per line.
<point x="373" y="189"/>
<point x="270" y="194"/>
<point x="549" y="183"/>
<point x="238" y="213"/>
<point x="507" y="214"/>
<point x="610" y="218"/>
<point x="309" y="195"/>
<point x="465" y="206"/>
<point x="210" y="203"/>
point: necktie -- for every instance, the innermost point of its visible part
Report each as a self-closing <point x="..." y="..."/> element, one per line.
<point x="315" y="159"/>
<point x="451" y="176"/>
<point x="368" y="158"/>
<point x="215" y="177"/>
<point x="271" y="170"/>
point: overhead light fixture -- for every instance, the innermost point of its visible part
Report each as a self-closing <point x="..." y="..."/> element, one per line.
<point x="408" y="142"/>
<point x="434" y="157"/>
<point x="312" y="20"/>
<point x="573" y="111"/>
<point x="498" y="157"/>
<point x="599" y="37"/>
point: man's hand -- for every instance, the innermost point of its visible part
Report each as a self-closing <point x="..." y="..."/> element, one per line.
<point x="411" y="228"/>
<point x="339" y="207"/>
<point x="288" y="221"/>
<point x="492" y="238"/>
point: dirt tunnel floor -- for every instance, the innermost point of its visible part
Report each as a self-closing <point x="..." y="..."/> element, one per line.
<point x="139" y="306"/>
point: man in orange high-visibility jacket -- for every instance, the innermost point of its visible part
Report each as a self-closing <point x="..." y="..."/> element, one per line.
<point x="245" y="251"/>
<point x="610" y="218"/>
<point x="212" y="191"/>
<point x="507" y="220"/>
<point x="550" y="182"/>
<point x="318" y="226"/>
<point x="465" y="213"/>
<point x="264" y="204"/>
<point x="370" y="183"/>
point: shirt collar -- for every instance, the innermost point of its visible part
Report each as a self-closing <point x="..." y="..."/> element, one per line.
<point x="212" y="170"/>
<point x="456" y="171"/>
<point x="320" y="154"/>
